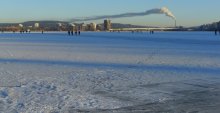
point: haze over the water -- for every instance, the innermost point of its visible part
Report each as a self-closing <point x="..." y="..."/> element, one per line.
<point x="187" y="12"/>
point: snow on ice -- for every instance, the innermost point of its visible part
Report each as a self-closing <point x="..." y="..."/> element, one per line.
<point x="110" y="72"/>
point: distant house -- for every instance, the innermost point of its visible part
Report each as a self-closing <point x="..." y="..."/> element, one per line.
<point x="72" y="27"/>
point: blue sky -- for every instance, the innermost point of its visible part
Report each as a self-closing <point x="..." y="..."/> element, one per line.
<point x="187" y="12"/>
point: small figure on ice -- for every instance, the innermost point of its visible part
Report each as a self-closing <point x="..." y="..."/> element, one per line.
<point x="216" y="32"/>
<point x="76" y="32"/>
<point x="151" y="32"/>
<point x="79" y="32"/>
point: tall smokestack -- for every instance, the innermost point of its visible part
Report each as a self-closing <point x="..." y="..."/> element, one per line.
<point x="175" y="23"/>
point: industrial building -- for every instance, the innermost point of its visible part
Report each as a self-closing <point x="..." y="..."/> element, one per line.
<point x="92" y="26"/>
<point x="107" y="25"/>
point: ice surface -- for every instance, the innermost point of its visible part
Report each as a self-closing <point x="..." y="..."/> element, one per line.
<point x="110" y="72"/>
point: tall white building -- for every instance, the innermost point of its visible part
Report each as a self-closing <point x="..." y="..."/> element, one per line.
<point x="93" y="26"/>
<point x="83" y="27"/>
<point x="36" y="25"/>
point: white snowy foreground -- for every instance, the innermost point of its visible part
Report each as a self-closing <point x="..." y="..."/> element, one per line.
<point x="168" y="72"/>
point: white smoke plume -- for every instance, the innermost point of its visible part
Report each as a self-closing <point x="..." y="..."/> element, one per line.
<point x="168" y="13"/>
<point x="163" y="10"/>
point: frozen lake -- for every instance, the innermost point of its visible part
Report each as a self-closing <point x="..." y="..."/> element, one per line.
<point x="173" y="72"/>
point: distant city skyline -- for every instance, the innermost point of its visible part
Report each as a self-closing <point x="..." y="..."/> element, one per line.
<point x="187" y="12"/>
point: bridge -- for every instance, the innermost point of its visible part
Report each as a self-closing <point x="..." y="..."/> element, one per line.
<point x="146" y="29"/>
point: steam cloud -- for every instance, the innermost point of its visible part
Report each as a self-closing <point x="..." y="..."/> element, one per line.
<point x="163" y="10"/>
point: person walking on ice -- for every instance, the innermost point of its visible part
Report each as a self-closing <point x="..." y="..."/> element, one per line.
<point x="79" y="32"/>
